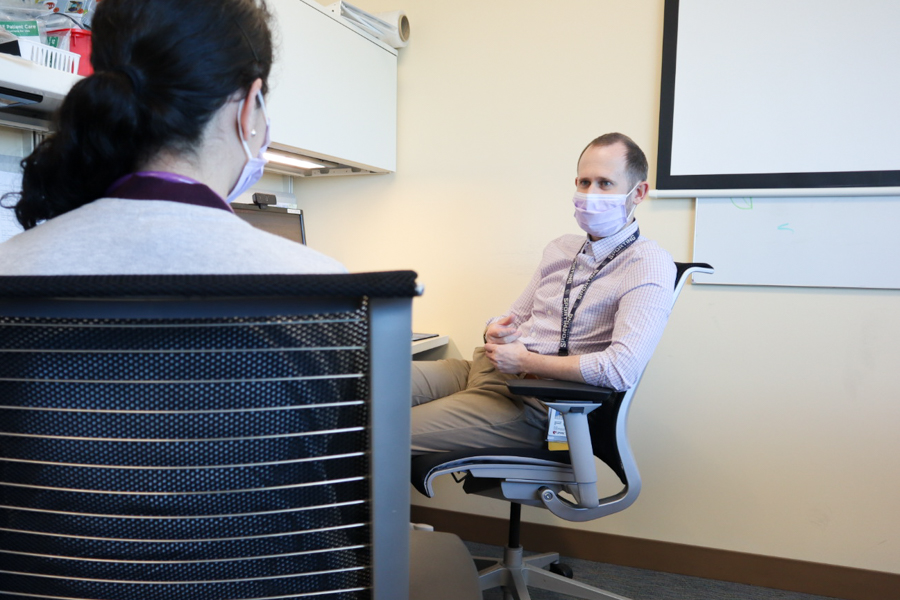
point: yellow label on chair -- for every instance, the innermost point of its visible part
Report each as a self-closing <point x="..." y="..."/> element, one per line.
<point x="556" y="431"/>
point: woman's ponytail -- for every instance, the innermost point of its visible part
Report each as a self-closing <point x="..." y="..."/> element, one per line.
<point x="99" y="138"/>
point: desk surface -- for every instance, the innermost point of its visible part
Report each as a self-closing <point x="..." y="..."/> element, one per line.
<point x="429" y="343"/>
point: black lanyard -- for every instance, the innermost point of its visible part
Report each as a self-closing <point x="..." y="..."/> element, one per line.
<point x="567" y="317"/>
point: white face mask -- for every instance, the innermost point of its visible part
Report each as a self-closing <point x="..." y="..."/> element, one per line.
<point x="602" y="215"/>
<point x="253" y="168"/>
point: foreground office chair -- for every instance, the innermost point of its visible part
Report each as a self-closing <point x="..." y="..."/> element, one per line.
<point x="205" y="437"/>
<point x="596" y="425"/>
<point x="441" y="568"/>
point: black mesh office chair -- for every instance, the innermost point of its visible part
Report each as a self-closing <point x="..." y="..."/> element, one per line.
<point x="563" y="482"/>
<point x="204" y="437"/>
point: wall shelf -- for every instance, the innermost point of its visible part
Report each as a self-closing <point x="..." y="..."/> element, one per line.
<point x="51" y="86"/>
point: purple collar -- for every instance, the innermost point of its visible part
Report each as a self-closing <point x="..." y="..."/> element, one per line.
<point x="160" y="185"/>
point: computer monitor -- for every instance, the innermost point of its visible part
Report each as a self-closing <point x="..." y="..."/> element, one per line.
<point x="284" y="222"/>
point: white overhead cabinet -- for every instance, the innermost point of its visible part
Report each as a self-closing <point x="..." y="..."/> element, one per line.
<point x="333" y="90"/>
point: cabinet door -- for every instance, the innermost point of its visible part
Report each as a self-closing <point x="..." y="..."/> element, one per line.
<point x="333" y="91"/>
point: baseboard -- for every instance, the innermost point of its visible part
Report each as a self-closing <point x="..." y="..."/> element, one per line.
<point x="724" y="565"/>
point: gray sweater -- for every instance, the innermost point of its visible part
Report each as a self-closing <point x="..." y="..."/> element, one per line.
<point x="114" y="236"/>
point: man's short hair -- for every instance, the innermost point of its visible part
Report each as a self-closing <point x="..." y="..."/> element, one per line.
<point x="635" y="161"/>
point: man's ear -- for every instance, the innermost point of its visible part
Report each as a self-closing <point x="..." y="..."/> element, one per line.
<point x="248" y="109"/>
<point x="641" y="191"/>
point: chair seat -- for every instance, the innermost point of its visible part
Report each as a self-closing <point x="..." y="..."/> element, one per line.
<point x="427" y="467"/>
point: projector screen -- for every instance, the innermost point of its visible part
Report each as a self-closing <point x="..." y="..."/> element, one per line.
<point x="779" y="94"/>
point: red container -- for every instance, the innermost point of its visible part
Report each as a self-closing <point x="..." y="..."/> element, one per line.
<point x="80" y="44"/>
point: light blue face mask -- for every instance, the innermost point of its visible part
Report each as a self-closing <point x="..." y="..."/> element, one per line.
<point x="602" y="215"/>
<point x="253" y="168"/>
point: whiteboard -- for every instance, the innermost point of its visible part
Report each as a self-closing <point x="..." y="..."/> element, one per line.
<point x="779" y="94"/>
<point x="849" y="242"/>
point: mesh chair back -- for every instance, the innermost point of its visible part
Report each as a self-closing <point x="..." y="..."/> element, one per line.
<point x="604" y="420"/>
<point x="602" y="423"/>
<point x="189" y="450"/>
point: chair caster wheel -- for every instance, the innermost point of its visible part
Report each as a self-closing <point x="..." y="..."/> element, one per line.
<point x="562" y="569"/>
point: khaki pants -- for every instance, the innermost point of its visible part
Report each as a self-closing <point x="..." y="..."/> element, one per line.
<point x="460" y="404"/>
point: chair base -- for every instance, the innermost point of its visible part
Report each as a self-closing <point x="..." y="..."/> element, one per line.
<point x="515" y="574"/>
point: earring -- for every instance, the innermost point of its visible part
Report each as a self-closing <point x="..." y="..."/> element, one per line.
<point x="252" y="133"/>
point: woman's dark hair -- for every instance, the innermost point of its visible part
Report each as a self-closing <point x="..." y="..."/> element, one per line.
<point x="162" y="68"/>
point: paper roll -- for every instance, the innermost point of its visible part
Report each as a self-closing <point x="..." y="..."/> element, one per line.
<point x="398" y="36"/>
<point x="392" y="28"/>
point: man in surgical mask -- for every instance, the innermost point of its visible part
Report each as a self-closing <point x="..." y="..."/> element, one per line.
<point x="593" y="312"/>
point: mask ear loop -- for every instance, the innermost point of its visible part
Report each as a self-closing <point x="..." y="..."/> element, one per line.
<point x="262" y="104"/>
<point x="240" y="127"/>
<point x="631" y="212"/>
<point x="633" y="206"/>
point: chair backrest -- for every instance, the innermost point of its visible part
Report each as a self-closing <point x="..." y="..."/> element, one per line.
<point x="212" y="437"/>
<point x="608" y="423"/>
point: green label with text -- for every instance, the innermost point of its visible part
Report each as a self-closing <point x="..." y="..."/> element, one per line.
<point x="22" y="29"/>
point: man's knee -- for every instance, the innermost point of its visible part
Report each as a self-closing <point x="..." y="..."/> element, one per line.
<point x="433" y="379"/>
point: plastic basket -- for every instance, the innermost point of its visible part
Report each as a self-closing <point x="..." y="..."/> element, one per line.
<point x="47" y="56"/>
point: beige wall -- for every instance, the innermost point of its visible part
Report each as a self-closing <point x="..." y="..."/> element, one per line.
<point x="767" y="420"/>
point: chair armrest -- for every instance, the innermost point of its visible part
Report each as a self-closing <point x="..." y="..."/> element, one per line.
<point x="553" y="389"/>
<point x="581" y="453"/>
